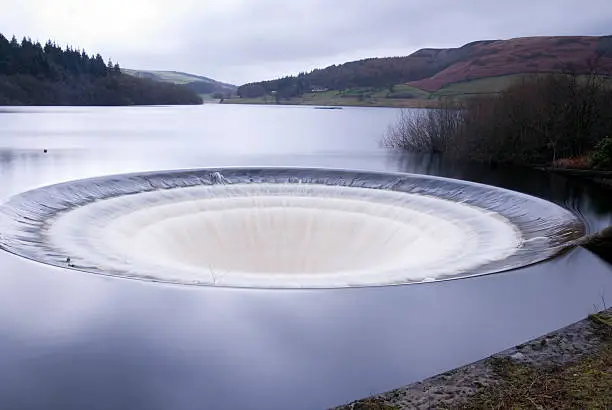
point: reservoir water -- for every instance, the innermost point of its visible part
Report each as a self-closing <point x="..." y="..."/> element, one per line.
<point x="76" y="340"/>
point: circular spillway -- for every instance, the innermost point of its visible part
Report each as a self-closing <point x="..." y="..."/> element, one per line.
<point x="283" y="228"/>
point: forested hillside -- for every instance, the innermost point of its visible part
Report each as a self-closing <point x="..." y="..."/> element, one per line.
<point x="197" y="83"/>
<point x="33" y="74"/>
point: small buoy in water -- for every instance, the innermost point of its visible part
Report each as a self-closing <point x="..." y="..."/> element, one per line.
<point x="45" y="150"/>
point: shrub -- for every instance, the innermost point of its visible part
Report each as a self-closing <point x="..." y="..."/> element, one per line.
<point x="539" y="120"/>
<point x="430" y="130"/>
<point x="602" y="156"/>
<point x="583" y="162"/>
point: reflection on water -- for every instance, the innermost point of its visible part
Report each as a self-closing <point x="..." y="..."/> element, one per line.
<point x="590" y="200"/>
<point x="74" y="341"/>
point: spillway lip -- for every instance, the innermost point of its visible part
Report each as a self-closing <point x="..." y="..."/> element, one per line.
<point x="365" y="228"/>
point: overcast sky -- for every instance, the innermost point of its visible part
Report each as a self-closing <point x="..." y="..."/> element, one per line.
<point x="238" y="41"/>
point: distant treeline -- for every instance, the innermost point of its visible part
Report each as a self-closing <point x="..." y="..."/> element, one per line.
<point x="33" y="74"/>
<point x="374" y="72"/>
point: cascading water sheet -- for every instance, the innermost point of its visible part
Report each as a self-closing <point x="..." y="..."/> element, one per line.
<point x="283" y="227"/>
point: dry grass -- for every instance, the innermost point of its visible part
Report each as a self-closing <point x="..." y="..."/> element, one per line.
<point x="582" y="162"/>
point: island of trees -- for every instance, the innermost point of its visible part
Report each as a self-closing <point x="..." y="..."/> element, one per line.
<point x="35" y="74"/>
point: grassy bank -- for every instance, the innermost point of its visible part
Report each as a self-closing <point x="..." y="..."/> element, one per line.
<point x="567" y="369"/>
<point x="584" y="384"/>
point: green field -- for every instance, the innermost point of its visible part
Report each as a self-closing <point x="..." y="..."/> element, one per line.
<point x="489" y="85"/>
<point x="190" y="80"/>
<point x="484" y="86"/>
<point x="400" y="95"/>
<point x="353" y="97"/>
<point x="175" y="77"/>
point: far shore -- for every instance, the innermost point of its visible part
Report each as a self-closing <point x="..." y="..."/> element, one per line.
<point x="344" y="102"/>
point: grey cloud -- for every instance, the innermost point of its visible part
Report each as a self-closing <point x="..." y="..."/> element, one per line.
<point x="284" y="35"/>
<point x="241" y="40"/>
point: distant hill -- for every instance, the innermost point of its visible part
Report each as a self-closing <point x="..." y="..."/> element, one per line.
<point x="430" y="71"/>
<point x="523" y="55"/>
<point x="33" y="74"/>
<point x="196" y="83"/>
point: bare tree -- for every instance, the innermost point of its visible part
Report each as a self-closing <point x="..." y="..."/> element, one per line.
<point x="429" y="130"/>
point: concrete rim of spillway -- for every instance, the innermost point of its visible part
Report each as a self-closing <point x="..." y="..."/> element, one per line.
<point x="276" y="227"/>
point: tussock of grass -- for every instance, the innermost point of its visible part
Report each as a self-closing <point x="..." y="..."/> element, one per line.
<point x="603" y="320"/>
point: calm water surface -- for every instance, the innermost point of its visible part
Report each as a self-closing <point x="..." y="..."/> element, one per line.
<point x="71" y="340"/>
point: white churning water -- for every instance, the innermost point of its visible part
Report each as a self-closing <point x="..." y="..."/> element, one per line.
<point x="284" y="227"/>
<point x="283" y="235"/>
